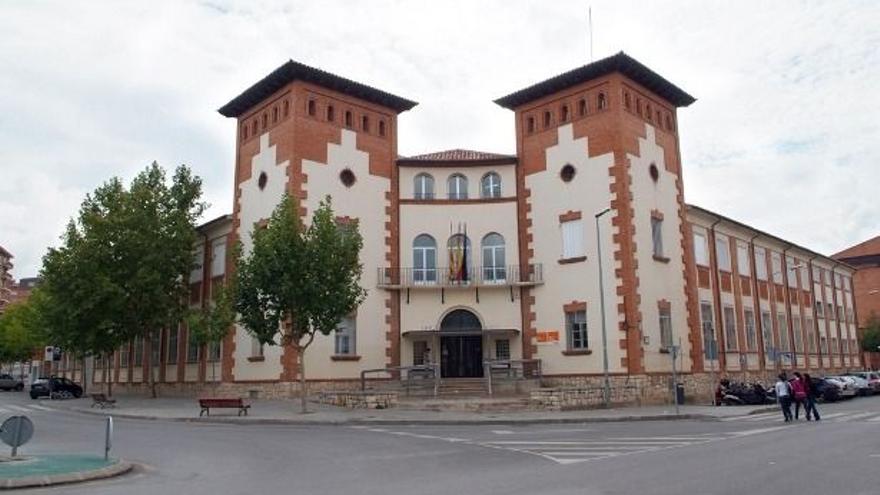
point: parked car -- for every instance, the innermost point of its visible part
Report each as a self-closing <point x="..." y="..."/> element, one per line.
<point x="873" y="378"/>
<point x="8" y="382"/>
<point x="847" y="388"/>
<point x="862" y="386"/>
<point x="55" y="388"/>
<point x="826" y="390"/>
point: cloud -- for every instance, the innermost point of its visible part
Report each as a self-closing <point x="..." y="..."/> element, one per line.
<point x="782" y="136"/>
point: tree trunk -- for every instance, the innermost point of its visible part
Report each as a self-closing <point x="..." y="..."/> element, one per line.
<point x="149" y="361"/>
<point x="303" y="391"/>
<point x="105" y="364"/>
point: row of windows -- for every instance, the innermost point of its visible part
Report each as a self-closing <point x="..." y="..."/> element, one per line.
<point x="655" y="115"/>
<point x="279" y="111"/>
<point x="573" y="238"/>
<point x="772" y="347"/>
<point x="577" y="337"/>
<point x="328" y="114"/>
<point x="425" y="269"/>
<point x="796" y="269"/>
<point x="217" y="260"/>
<point x="135" y="357"/>
<point x="457" y="186"/>
<point x="563" y="114"/>
<point x="344" y="340"/>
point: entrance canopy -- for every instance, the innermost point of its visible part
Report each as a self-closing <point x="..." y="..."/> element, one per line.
<point x="461" y="332"/>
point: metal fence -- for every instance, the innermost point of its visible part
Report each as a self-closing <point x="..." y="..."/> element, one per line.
<point x="474" y="276"/>
<point x="412" y="379"/>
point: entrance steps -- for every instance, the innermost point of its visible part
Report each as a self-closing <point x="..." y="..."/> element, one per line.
<point x="467" y="387"/>
<point x="466" y="404"/>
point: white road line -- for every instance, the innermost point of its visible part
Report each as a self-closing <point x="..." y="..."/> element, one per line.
<point x="853" y="417"/>
<point x="758" y="431"/>
<point x="833" y="415"/>
<point x="525" y="444"/>
<point x="19" y="408"/>
<point x="590" y="455"/>
<point x="41" y="408"/>
<point x="594" y="448"/>
<point x="682" y="439"/>
<point x="2" y="410"/>
<point x="752" y="417"/>
<point x="875" y="419"/>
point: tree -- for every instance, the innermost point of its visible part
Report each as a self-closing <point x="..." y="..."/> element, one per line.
<point x="121" y="272"/>
<point x="871" y="335"/>
<point x="21" y="332"/>
<point x="209" y="324"/>
<point x="296" y="281"/>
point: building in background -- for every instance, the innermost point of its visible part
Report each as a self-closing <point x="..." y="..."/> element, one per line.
<point x="865" y="257"/>
<point x="472" y="256"/>
<point x="6" y="280"/>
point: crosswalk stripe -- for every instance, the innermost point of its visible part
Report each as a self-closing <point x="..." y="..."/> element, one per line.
<point x="853" y="417"/>
<point x="832" y="415"/>
<point x="19" y="408"/>
<point x="526" y="444"/>
<point x="2" y="410"/>
<point x="875" y="419"/>
<point x="41" y="408"/>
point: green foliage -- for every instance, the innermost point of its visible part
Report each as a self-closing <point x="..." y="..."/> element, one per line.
<point x="305" y="277"/>
<point x="299" y="281"/>
<point x="21" y="331"/>
<point x="871" y="335"/>
<point x="121" y="271"/>
<point x="211" y="323"/>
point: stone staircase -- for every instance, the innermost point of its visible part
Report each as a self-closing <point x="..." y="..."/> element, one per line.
<point x="462" y="387"/>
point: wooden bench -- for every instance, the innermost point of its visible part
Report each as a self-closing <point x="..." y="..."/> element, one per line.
<point x="102" y="401"/>
<point x="208" y="404"/>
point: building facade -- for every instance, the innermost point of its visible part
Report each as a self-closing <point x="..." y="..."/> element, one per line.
<point x="471" y="256"/>
<point x="6" y="280"/>
<point x="865" y="257"/>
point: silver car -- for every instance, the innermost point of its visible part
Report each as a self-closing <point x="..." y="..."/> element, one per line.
<point x="8" y="382"/>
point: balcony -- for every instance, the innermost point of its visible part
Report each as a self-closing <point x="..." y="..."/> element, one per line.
<point x="477" y="277"/>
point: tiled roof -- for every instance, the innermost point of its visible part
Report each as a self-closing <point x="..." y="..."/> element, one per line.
<point x="620" y="62"/>
<point x="458" y="155"/>
<point x="864" y="248"/>
<point x="293" y="71"/>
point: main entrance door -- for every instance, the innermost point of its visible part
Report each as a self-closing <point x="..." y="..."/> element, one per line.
<point x="461" y="348"/>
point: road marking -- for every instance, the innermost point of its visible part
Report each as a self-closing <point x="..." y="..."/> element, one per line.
<point x="2" y="410"/>
<point x="875" y="419"/>
<point x="752" y="417"/>
<point x="19" y="408"/>
<point x="652" y="443"/>
<point x="683" y="439"/>
<point x="41" y="408"/>
<point x="853" y="417"/>
<point x="502" y="432"/>
<point x="759" y="431"/>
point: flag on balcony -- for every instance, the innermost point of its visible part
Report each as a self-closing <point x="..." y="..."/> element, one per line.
<point x="458" y="254"/>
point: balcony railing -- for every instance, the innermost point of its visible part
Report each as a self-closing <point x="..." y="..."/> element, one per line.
<point x="476" y="276"/>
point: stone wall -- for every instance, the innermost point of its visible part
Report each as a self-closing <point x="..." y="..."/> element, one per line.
<point x="359" y="400"/>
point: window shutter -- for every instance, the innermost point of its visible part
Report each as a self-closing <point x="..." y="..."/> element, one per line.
<point x="572" y="239"/>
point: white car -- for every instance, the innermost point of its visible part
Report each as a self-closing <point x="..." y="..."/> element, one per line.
<point x="846" y="387"/>
<point x="862" y="386"/>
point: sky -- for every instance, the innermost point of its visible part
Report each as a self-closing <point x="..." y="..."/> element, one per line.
<point x="784" y="135"/>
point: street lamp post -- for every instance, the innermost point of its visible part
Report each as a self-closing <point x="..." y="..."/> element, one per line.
<point x="607" y="381"/>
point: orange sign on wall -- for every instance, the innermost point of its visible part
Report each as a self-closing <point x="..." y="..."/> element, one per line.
<point x="548" y="336"/>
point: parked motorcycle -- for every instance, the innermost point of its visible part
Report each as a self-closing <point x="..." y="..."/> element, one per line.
<point x="739" y="394"/>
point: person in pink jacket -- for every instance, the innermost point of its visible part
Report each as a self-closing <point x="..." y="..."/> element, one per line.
<point x="799" y="394"/>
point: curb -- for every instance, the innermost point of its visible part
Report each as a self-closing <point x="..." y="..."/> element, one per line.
<point x="116" y="469"/>
<point x="369" y="421"/>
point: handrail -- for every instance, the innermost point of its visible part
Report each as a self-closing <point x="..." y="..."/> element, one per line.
<point x="434" y="369"/>
<point x="510" y="364"/>
<point x="477" y="275"/>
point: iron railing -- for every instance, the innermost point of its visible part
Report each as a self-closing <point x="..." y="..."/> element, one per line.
<point x="515" y="369"/>
<point x="411" y="377"/>
<point x="474" y="276"/>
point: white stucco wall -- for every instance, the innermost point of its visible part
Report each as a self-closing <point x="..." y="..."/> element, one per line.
<point x="589" y="193"/>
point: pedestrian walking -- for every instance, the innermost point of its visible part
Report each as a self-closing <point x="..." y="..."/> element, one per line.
<point x="812" y="396"/>
<point x="783" y="396"/>
<point x="799" y="394"/>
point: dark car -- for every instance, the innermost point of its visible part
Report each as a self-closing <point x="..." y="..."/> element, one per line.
<point x="8" y="382"/>
<point x="826" y="390"/>
<point x="55" y="388"/>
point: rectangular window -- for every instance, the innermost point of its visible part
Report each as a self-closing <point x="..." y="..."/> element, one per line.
<point x="784" y="342"/>
<point x="830" y="312"/>
<point x="791" y="266"/>
<point x="845" y="343"/>
<point x="502" y="349"/>
<point x="257" y="348"/>
<point x="834" y="348"/>
<point x="840" y="314"/>
<point x="572" y="239"/>
<point x="218" y="257"/>
<point x="776" y="263"/>
<point x="345" y="337"/>
<point x="761" y="263"/>
<point x="730" y="328"/>
<point x="192" y="351"/>
<point x="214" y="349"/>
<point x="172" y="346"/>
<point x="798" y="336"/>
<point x="811" y="336"/>
<point x="701" y="253"/>
<point x="823" y="345"/>
<point x="420" y="352"/>
<point x="657" y="236"/>
<point x="767" y="331"/>
<point x="820" y="309"/>
<point x="195" y="275"/>
<point x="751" y="335"/>
<point x="722" y="252"/>
<point x="155" y="348"/>
<point x="576" y="327"/>
<point x="742" y="260"/>
<point x="138" y="351"/>
<point x="666" y="341"/>
<point x="706" y="319"/>
<point x="123" y="356"/>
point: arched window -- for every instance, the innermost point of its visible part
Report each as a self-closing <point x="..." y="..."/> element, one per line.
<point x="494" y="268"/>
<point x="547" y="118"/>
<point x="348" y="118"/>
<point x="365" y="123"/>
<point x="274" y="114"/>
<point x="423" y="187"/>
<point x="530" y="124"/>
<point x="626" y="101"/>
<point x="286" y="107"/>
<point x="582" y="107"/>
<point x="602" y="102"/>
<point x="424" y="259"/>
<point x="563" y="112"/>
<point x="457" y="186"/>
<point x="490" y="185"/>
<point x="460" y="260"/>
<point x="382" y="128"/>
<point x="312" y="107"/>
<point x="331" y="114"/>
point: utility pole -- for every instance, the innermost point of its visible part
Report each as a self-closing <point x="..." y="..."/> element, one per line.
<point x="607" y="381"/>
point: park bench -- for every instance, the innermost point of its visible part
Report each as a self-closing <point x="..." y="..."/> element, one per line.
<point x="102" y="401"/>
<point x="208" y="404"/>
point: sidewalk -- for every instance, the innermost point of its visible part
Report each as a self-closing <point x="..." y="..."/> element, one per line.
<point x="287" y="412"/>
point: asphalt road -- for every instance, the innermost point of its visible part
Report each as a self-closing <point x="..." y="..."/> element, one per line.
<point x="745" y="455"/>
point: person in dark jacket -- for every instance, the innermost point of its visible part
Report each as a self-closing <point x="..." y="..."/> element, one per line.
<point x="812" y="396"/>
